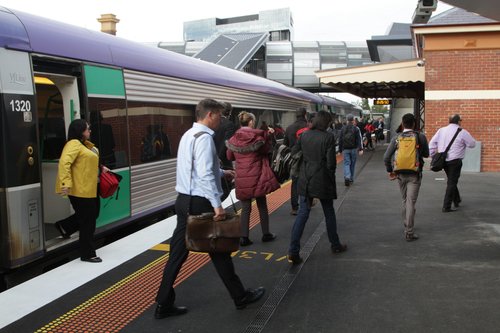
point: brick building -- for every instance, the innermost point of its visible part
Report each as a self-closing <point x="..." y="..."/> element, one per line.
<point x="462" y="75"/>
<point x="458" y="72"/>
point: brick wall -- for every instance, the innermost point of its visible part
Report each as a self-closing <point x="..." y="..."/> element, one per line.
<point x="462" y="70"/>
<point x="480" y="117"/>
<point x="466" y="70"/>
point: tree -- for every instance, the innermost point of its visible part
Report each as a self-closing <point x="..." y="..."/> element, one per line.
<point x="363" y="103"/>
<point x="380" y="109"/>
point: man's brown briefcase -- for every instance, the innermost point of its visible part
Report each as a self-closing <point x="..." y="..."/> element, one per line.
<point x="203" y="234"/>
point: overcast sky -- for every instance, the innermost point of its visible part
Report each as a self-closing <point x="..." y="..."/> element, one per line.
<point x="156" y="20"/>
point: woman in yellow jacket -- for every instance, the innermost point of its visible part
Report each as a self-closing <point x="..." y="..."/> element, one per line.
<point x="77" y="178"/>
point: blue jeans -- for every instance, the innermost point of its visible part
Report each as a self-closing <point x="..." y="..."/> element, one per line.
<point x="294" y="197"/>
<point x="350" y="156"/>
<point x="303" y="216"/>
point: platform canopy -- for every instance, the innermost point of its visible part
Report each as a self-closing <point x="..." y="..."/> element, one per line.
<point x="402" y="79"/>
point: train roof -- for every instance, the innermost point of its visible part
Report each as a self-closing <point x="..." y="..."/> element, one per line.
<point x="23" y="31"/>
<point x="337" y="102"/>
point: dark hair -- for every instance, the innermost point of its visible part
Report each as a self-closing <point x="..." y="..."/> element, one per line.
<point x="228" y="108"/>
<point x="76" y="129"/>
<point x="207" y="105"/>
<point x="455" y="119"/>
<point x="408" y="121"/>
<point x="321" y="121"/>
<point x="301" y="112"/>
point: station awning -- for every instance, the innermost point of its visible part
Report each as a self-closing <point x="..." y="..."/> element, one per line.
<point x="402" y="79"/>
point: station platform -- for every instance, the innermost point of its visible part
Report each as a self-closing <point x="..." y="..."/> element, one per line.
<point x="444" y="282"/>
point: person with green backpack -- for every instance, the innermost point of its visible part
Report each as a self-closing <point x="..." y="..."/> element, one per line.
<point x="404" y="160"/>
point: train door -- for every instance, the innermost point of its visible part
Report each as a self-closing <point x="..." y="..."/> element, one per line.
<point x="107" y="108"/>
<point x="21" y="234"/>
<point x="58" y="103"/>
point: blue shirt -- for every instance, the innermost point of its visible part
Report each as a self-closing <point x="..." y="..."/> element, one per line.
<point x="203" y="177"/>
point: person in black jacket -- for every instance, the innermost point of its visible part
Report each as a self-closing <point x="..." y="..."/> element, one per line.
<point x="225" y="131"/>
<point x="289" y="140"/>
<point x="316" y="180"/>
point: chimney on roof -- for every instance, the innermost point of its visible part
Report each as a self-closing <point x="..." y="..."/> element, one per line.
<point x="108" y="23"/>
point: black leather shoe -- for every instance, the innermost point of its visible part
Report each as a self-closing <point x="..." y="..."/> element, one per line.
<point x="339" y="248"/>
<point x="169" y="311"/>
<point x="251" y="296"/>
<point x="448" y="210"/>
<point x="268" y="237"/>
<point x="295" y="259"/>
<point x="63" y="233"/>
<point x="93" y="259"/>
<point x="245" y="241"/>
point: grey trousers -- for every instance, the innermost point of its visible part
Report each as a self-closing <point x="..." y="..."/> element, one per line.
<point x="246" y="209"/>
<point x="409" y="185"/>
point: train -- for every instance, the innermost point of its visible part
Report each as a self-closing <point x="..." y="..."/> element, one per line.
<point x="138" y="100"/>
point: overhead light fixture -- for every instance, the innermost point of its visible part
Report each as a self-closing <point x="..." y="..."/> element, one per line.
<point x="43" y="80"/>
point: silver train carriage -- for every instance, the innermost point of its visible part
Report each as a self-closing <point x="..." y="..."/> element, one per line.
<point x="139" y="100"/>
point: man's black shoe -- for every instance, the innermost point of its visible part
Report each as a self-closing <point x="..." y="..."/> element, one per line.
<point x="251" y="296"/>
<point x="347" y="182"/>
<point x="169" y="311"/>
<point x="245" y="241"/>
<point x="448" y="210"/>
<point x="268" y="237"/>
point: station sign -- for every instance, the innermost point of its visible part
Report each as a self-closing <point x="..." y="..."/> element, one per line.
<point x="382" y="102"/>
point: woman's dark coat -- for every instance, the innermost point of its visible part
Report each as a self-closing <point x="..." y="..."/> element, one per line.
<point x="317" y="170"/>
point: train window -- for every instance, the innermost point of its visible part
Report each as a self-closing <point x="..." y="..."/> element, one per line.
<point x="108" y="124"/>
<point x="156" y="129"/>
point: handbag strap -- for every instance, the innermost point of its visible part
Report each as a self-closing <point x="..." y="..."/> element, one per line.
<point x="452" y="140"/>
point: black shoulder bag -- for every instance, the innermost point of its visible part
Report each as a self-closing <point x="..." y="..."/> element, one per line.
<point x="439" y="159"/>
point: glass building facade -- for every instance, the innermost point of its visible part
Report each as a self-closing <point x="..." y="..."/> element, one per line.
<point x="284" y="60"/>
<point x="277" y="22"/>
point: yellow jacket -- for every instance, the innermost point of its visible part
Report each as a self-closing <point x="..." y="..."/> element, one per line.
<point x="78" y="169"/>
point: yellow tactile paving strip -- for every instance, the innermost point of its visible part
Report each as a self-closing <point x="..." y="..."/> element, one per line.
<point x="113" y="308"/>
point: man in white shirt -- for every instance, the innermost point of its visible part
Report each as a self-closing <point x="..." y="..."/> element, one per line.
<point x="199" y="187"/>
<point x="453" y="166"/>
